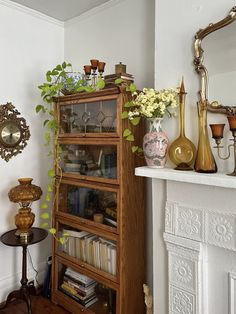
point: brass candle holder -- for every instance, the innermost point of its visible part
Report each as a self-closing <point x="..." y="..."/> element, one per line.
<point x="217" y="133"/>
<point x="93" y="72"/>
<point x="87" y="72"/>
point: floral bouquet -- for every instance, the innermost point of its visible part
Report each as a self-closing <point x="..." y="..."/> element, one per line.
<point x="151" y="103"/>
<point x="148" y="104"/>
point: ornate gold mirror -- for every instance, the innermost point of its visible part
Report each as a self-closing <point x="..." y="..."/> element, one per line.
<point x="14" y="132"/>
<point x="217" y="66"/>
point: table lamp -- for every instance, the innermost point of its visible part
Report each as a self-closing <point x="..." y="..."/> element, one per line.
<point x="24" y="194"/>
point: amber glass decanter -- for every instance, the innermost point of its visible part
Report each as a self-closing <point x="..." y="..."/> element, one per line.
<point x="182" y="151"/>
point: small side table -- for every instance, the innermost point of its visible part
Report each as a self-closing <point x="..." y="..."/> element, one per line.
<point x="25" y="290"/>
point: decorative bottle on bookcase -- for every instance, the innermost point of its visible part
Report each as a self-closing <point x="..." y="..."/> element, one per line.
<point x="100" y="205"/>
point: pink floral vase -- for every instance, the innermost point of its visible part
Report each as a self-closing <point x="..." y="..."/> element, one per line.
<point x="155" y="145"/>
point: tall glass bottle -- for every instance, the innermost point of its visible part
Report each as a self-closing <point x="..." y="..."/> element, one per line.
<point x="182" y="151"/>
<point x="205" y="161"/>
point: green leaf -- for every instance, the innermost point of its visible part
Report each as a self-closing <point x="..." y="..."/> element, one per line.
<point x="53" y="231"/>
<point x="62" y="240"/>
<point x="134" y="148"/>
<point x="58" y="67"/>
<point x="65" y="234"/>
<point x="51" y="173"/>
<point x="44" y="225"/>
<point x="126" y="133"/>
<point x="140" y="150"/>
<point x="101" y="83"/>
<point x="49" y="79"/>
<point x="132" y="88"/>
<point x="119" y="81"/>
<point x="55" y="72"/>
<point x="130" y="138"/>
<point x="129" y="104"/>
<point x="69" y="64"/>
<point x="45" y="122"/>
<point x="124" y="115"/>
<point x="48" y="198"/>
<point x="39" y="108"/>
<point x="45" y="216"/>
<point x="64" y="65"/>
<point x="44" y="206"/>
<point x="50" y="188"/>
<point x="135" y="120"/>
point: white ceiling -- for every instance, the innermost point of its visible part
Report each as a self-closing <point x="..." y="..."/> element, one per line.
<point x="61" y="10"/>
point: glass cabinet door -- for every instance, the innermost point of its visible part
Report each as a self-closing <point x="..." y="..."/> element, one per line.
<point x="89" y="117"/>
<point x="98" y="162"/>
<point x="92" y="205"/>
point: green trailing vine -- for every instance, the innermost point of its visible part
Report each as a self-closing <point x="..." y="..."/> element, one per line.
<point x="57" y="83"/>
<point x="127" y="133"/>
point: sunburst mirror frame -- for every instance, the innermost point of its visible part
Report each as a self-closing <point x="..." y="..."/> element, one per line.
<point x="8" y="113"/>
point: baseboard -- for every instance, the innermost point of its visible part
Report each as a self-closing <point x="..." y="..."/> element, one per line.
<point x="10" y="283"/>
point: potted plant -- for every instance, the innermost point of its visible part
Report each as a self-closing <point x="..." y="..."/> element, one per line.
<point x="59" y="81"/>
<point x="152" y="105"/>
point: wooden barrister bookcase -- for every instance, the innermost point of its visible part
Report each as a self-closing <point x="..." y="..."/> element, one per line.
<point x="99" y="197"/>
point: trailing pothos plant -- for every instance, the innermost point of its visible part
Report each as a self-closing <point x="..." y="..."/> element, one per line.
<point x="128" y="106"/>
<point x="57" y="80"/>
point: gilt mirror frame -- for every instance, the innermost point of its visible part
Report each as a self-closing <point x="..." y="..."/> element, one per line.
<point x="201" y="69"/>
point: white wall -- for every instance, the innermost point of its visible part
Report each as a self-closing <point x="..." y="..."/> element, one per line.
<point x="176" y="24"/>
<point x="121" y="30"/>
<point x="30" y="45"/>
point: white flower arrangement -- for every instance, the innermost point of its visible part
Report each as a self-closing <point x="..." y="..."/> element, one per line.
<point x="149" y="103"/>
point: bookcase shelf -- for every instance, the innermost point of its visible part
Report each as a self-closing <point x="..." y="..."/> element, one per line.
<point x="100" y="203"/>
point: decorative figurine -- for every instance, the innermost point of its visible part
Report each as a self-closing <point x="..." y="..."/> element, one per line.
<point x="148" y="299"/>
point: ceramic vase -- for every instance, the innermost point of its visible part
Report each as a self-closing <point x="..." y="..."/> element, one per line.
<point x="155" y="144"/>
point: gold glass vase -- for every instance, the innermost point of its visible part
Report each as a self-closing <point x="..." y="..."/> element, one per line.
<point x="182" y="151"/>
<point x="205" y="161"/>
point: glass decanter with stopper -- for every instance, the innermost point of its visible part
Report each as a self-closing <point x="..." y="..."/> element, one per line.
<point x="182" y="151"/>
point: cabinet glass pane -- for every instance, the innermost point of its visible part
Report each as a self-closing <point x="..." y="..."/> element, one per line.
<point x="90" y="248"/>
<point x="91" y="117"/>
<point x="87" y="292"/>
<point x="90" y="160"/>
<point x="96" y="205"/>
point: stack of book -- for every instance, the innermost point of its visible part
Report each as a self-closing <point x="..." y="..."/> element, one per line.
<point x="110" y="79"/>
<point x="92" y="249"/>
<point x="79" y="287"/>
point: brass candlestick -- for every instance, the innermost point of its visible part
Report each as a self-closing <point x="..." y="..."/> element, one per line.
<point x="217" y="134"/>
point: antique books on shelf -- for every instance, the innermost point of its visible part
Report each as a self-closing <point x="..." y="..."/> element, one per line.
<point x="100" y="206"/>
<point x="90" y="248"/>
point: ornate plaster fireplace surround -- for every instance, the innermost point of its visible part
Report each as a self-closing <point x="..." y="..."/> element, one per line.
<point x="194" y="242"/>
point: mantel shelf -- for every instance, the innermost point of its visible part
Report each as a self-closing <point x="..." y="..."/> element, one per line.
<point x="213" y="179"/>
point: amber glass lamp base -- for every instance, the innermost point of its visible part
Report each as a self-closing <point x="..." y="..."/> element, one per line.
<point x="24" y="221"/>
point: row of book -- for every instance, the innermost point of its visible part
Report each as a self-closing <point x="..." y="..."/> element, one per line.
<point x="92" y="249"/>
<point x="79" y="287"/>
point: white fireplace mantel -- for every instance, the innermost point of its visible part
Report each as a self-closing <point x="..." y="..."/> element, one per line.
<point x="213" y="179"/>
<point x="194" y="241"/>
